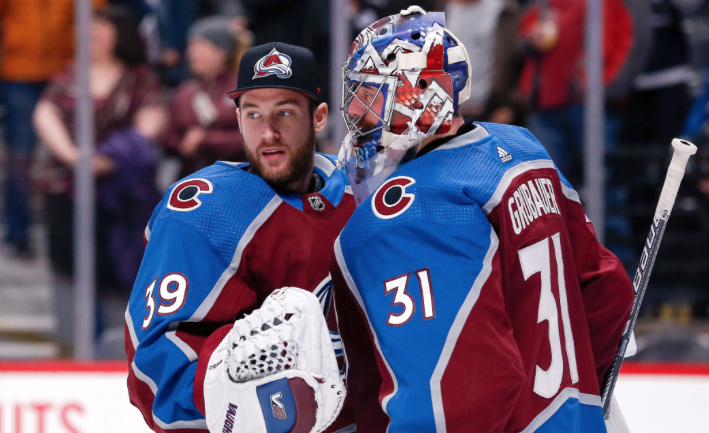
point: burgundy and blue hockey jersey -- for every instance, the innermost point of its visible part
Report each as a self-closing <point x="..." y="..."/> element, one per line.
<point x="218" y="244"/>
<point x="473" y="296"/>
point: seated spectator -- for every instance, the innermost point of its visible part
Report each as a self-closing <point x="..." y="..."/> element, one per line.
<point x="128" y="117"/>
<point x="203" y="128"/>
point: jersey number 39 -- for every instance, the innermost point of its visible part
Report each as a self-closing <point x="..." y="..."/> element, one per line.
<point x="537" y="259"/>
<point x="172" y="294"/>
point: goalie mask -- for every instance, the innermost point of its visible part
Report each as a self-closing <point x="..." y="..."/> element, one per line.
<point x="403" y="81"/>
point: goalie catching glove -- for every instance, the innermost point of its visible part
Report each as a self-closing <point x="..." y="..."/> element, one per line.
<point x="275" y="372"/>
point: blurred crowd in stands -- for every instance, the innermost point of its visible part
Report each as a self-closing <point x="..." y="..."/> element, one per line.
<point x="160" y="70"/>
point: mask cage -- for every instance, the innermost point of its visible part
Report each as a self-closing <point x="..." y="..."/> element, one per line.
<point x="351" y="84"/>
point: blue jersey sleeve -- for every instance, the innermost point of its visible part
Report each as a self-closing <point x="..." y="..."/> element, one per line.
<point x="179" y="271"/>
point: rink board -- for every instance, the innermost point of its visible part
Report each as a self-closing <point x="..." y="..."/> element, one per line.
<point x="65" y="397"/>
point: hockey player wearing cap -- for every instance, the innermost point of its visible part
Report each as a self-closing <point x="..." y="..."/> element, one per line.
<point x="471" y="292"/>
<point x="221" y="241"/>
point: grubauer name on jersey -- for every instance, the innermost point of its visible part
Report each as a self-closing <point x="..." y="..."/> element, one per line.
<point x="486" y="302"/>
<point x="218" y="244"/>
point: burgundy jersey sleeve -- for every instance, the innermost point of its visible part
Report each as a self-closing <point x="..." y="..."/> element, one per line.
<point x="605" y="287"/>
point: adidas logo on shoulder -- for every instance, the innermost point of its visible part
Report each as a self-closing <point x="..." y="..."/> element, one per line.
<point x="503" y="154"/>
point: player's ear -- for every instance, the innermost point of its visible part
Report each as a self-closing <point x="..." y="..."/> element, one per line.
<point x="320" y="117"/>
<point x="238" y="117"/>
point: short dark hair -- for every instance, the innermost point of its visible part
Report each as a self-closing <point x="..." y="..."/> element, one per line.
<point x="130" y="46"/>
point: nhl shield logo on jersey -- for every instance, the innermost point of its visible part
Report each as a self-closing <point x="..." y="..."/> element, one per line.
<point x="274" y="63"/>
<point x="279" y="410"/>
<point x="391" y="199"/>
<point x="184" y="196"/>
<point x="316" y="203"/>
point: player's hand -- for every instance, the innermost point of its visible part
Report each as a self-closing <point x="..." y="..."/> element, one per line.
<point x="192" y="140"/>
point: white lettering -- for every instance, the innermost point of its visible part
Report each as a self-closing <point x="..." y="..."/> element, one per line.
<point x="537" y="200"/>
<point x="524" y="218"/>
<point x="516" y="223"/>
<point x="550" y="186"/>
<point x="530" y="201"/>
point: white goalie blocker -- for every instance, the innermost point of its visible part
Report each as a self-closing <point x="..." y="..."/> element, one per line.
<point x="276" y="371"/>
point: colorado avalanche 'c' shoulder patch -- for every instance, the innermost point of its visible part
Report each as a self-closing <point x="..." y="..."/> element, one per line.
<point x="391" y="199"/>
<point x="185" y="196"/>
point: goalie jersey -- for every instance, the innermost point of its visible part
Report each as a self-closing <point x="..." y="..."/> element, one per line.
<point x="218" y="244"/>
<point x="473" y="296"/>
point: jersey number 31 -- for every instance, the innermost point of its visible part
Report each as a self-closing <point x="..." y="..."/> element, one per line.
<point x="537" y="259"/>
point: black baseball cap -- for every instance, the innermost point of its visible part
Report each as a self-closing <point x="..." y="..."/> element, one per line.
<point x="278" y="65"/>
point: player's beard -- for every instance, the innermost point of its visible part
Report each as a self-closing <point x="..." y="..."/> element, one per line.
<point x="298" y="166"/>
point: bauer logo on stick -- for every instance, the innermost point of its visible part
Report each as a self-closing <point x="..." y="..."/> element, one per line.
<point x="274" y="63"/>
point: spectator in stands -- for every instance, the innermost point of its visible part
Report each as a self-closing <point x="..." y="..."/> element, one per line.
<point x="203" y="128"/>
<point x="128" y="117"/>
<point x="36" y="42"/>
<point x="661" y="101"/>
<point x="553" y="77"/>
<point x="488" y="29"/>
<point x="176" y="17"/>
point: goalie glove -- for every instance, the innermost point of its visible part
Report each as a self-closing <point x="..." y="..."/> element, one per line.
<point x="275" y="371"/>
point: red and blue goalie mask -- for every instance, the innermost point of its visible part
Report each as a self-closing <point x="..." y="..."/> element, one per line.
<point x="403" y="81"/>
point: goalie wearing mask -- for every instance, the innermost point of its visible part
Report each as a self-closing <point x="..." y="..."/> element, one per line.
<point x="471" y="292"/>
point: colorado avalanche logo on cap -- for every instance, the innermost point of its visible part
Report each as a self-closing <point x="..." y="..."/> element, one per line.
<point x="274" y="63"/>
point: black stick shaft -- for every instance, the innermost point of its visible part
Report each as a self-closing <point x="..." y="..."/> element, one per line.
<point x="642" y="277"/>
<point x="682" y="151"/>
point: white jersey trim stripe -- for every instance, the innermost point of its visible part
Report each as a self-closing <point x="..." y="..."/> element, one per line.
<point x="131" y="330"/>
<point x="198" y="423"/>
<point x="353" y="288"/>
<point x="195" y="424"/>
<point x="476" y="134"/>
<point x="147" y="232"/>
<point x="456" y="328"/>
<point x="144" y="378"/>
<point x="509" y="177"/>
<point x="324" y="164"/>
<point x="566" y="394"/>
<point x="262" y="217"/>
<point x="570" y="193"/>
<point x="184" y="347"/>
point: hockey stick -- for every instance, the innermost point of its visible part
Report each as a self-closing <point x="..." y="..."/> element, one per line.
<point x="682" y="151"/>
